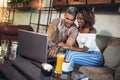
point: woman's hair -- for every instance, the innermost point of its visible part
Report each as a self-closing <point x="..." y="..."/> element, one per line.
<point x="72" y="10"/>
<point x="88" y="16"/>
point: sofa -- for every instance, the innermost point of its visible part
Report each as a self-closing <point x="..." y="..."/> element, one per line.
<point x="10" y="32"/>
<point x="110" y="47"/>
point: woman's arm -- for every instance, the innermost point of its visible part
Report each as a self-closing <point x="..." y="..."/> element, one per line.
<point x="84" y="49"/>
<point x="65" y="46"/>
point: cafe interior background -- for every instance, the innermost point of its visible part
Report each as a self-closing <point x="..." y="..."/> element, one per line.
<point x="107" y="21"/>
<point x="39" y="13"/>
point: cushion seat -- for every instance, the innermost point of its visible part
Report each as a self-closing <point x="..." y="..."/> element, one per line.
<point x="103" y="73"/>
<point x="110" y="47"/>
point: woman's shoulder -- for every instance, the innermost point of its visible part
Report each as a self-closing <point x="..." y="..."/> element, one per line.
<point x="93" y="30"/>
<point x="87" y="34"/>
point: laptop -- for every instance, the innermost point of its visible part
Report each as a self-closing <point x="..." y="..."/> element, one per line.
<point x="32" y="51"/>
<point x="33" y="45"/>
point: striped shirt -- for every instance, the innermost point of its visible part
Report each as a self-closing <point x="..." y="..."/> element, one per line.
<point x="59" y="32"/>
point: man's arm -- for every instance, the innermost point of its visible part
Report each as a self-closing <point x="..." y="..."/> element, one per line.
<point x="50" y="31"/>
<point x="72" y="37"/>
<point x="70" y="41"/>
<point x="51" y="34"/>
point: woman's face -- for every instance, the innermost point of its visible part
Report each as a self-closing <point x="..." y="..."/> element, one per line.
<point x="80" y="19"/>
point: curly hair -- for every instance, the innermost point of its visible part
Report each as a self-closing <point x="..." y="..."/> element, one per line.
<point x="88" y="16"/>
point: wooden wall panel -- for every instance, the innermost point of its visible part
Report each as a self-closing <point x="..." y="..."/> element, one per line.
<point x="117" y="1"/>
<point x="59" y="2"/>
<point x="98" y="1"/>
<point x="76" y="2"/>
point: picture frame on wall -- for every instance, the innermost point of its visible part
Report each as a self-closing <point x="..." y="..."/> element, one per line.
<point x="73" y="2"/>
<point x="59" y="2"/>
<point x="98" y="1"/>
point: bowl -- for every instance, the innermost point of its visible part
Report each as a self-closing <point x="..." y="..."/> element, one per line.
<point x="47" y="69"/>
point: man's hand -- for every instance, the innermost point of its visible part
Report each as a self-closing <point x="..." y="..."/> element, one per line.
<point x="63" y="45"/>
<point x="52" y="51"/>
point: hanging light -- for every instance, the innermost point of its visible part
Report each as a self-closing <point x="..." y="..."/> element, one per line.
<point x="3" y="11"/>
<point x="36" y="4"/>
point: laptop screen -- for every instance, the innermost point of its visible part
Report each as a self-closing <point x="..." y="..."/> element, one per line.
<point x="33" y="45"/>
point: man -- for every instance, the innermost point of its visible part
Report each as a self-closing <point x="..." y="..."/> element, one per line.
<point x="62" y="30"/>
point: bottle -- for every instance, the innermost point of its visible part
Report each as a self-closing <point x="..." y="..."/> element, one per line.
<point x="13" y="50"/>
<point x="1" y="57"/>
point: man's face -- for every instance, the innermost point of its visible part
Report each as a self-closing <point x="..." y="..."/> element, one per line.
<point x="68" y="19"/>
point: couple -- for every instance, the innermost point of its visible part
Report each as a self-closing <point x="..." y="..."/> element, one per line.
<point x="64" y="33"/>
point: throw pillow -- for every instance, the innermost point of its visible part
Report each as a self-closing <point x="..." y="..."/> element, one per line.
<point x="112" y="56"/>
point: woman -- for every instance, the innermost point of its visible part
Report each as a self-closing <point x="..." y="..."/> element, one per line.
<point x="88" y="54"/>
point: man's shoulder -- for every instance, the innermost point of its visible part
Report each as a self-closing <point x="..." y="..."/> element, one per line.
<point x="74" y="26"/>
<point x="57" y="20"/>
<point x="73" y="29"/>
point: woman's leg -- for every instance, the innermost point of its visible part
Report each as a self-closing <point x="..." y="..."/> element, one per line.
<point x="93" y="58"/>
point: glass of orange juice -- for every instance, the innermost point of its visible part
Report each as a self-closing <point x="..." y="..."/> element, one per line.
<point x="60" y="60"/>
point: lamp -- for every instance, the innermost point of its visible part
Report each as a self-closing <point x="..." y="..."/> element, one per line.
<point x="4" y="13"/>
<point x="36" y="4"/>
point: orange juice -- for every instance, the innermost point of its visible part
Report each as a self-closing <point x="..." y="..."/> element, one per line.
<point x="60" y="59"/>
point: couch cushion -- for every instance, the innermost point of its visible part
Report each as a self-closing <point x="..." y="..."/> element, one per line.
<point x="112" y="56"/>
<point x="117" y="73"/>
<point x="98" y="73"/>
<point x="102" y="42"/>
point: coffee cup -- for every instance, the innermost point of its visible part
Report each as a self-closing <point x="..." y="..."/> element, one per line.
<point x="66" y="67"/>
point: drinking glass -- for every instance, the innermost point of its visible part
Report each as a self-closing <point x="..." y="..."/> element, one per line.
<point x="4" y="47"/>
<point x="60" y="59"/>
<point x="1" y="57"/>
<point x="13" y="52"/>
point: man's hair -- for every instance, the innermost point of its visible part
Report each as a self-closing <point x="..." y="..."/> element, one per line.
<point x="72" y="10"/>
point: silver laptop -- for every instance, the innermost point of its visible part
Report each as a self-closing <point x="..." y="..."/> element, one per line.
<point x="33" y="45"/>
